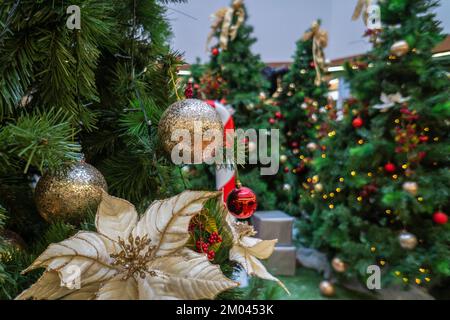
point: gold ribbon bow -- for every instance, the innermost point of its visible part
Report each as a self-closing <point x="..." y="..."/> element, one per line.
<point x="320" y="41"/>
<point x="224" y="17"/>
<point x="361" y="10"/>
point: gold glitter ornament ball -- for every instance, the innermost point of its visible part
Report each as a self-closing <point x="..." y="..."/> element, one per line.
<point x="188" y="114"/>
<point x="69" y="194"/>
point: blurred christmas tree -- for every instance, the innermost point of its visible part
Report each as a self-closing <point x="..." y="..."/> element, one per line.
<point x="96" y="92"/>
<point x="234" y="76"/>
<point x="305" y="109"/>
<point x="384" y="173"/>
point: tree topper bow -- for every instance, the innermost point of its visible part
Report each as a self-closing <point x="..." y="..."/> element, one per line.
<point x="320" y="41"/>
<point x="224" y="17"/>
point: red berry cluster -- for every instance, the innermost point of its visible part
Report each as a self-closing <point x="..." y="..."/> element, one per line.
<point x="214" y="238"/>
<point x="406" y="132"/>
<point x="204" y="248"/>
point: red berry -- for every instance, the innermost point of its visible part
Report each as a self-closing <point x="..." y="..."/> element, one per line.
<point x="357" y="122"/>
<point x="286" y="169"/>
<point x="278" y="115"/>
<point x="294" y="144"/>
<point x="390" y="167"/>
<point x="422" y="154"/>
<point x="423" y="138"/>
<point x="215" y="51"/>
<point x="271" y="120"/>
<point x="440" y="218"/>
<point x="312" y="64"/>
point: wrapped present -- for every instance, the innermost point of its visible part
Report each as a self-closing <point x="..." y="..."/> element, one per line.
<point x="273" y="225"/>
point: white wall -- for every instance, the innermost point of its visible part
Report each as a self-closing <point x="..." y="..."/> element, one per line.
<point x="278" y="24"/>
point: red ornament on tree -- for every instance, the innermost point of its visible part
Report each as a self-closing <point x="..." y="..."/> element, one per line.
<point x="423" y="138"/>
<point x="312" y="64"/>
<point x="278" y="115"/>
<point x="357" y="122"/>
<point x="390" y="167"/>
<point x="440" y="218"/>
<point x="286" y="169"/>
<point x="215" y="51"/>
<point x="241" y="202"/>
<point x="271" y="120"/>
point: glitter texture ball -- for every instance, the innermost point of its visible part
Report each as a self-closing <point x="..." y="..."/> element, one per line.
<point x="241" y="202"/>
<point x="69" y="194"/>
<point x="407" y="240"/>
<point x="326" y="288"/>
<point x="183" y="115"/>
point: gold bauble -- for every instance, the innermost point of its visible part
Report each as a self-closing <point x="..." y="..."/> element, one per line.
<point x="326" y="288"/>
<point x="400" y="48"/>
<point x="250" y="106"/>
<point x="318" y="187"/>
<point x="338" y="265"/>
<point x="411" y="187"/>
<point x="13" y="242"/>
<point x="312" y="146"/>
<point x="283" y="158"/>
<point x="196" y="117"/>
<point x="70" y="193"/>
<point x="407" y="240"/>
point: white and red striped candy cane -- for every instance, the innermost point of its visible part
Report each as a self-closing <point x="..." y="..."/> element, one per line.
<point x="225" y="175"/>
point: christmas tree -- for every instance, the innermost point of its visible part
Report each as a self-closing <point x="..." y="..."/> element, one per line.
<point x="384" y="173"/>
<point x="234" y="76"/>
<point x="302" y="97"/>
<point x="81" y="98"/>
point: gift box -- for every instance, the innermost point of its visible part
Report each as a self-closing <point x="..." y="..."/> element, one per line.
<point x="282" y="262"/>
<point x="273" y="225"/>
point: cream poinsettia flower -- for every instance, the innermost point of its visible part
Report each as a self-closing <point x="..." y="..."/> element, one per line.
<point x="247" y="250"/>
<point x="131" y="258"/>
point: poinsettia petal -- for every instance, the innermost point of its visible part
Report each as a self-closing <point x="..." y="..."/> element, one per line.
<point x="115" y="217"/>
<point x="49" y="287"/>
<point x="187" y="275"/>
<point x="166" y="222"/>
<point x="252" y="265"/>
<point x="118" y="289"/>
<point x="86" y="253"/>
<point x="261" y="249"/>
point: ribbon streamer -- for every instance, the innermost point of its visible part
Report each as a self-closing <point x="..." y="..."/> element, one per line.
<point x="361" y="10"/>
<point x="223" y="20"/>
<point x="320" y="41"/>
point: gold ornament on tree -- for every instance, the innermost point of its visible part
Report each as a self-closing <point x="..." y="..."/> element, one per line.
<point x="13" y="243"/>
<point x="411" y="187"/>
<point x="130" y="258"/>
<point x="247" y="250"/>
<point x="69" y="193"/>
<point x="223" y="22"/>
<point x="319" y="39"/>
<point x="326" y="288"/>
<point x="283" y="158"/>
<point x="312" y="146"/>
<point x="318" y="187"/>
<point x="407" y="240"/>
<point x="338" y="265"/>
<point x="198" y="120"/>
<point x="400" y="48"/>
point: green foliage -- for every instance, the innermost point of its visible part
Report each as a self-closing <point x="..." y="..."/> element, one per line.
<point x="361" y="222"/>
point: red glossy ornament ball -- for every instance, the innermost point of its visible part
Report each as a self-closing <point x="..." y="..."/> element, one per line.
<point x="440" y="218"/>
<point x="286" y="169"/>
<point x="278" y="115"/>
<point x="357" y="122"/>
<point x="423" y="138"/>
<point x="312" y="64"/>
<point x="271" y="120"/>
<point x="215" y="51"/>
<point x="390" y="167"/>
<point x="241" y="202"/>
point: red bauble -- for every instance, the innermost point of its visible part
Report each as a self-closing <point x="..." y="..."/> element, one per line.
<point x="278" y="115"/>
<point x="357" y="122"/>
<point x="286" y="169"/>
<point x="271" y="120"/>
<point x="241" y="202"/>
<point x="294" y="144"/>
<point x="423" y="138"/>
<point x="312" y="64"/>
<point x="390" y="167"/>
<point x="440" y="218"/>
<point x="215" y="51"/>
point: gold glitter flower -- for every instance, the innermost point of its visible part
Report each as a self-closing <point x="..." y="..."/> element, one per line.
<point x="128" y="258"/>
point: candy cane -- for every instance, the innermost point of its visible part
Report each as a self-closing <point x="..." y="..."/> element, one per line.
<point x="225" y="175"/>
